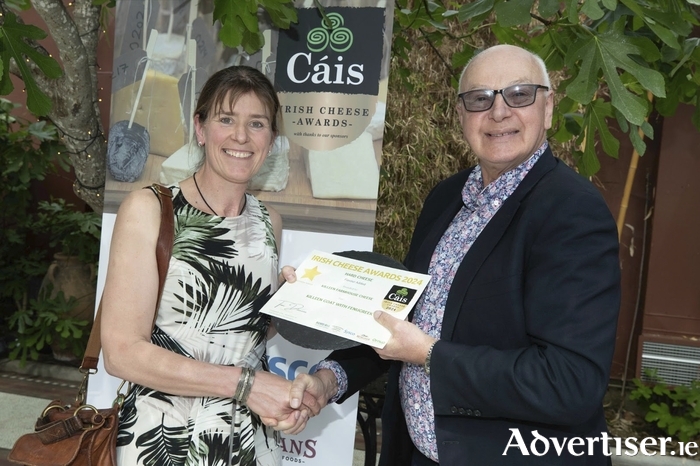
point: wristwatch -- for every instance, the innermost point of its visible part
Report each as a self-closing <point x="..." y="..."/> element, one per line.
<point x="426" y="364"/>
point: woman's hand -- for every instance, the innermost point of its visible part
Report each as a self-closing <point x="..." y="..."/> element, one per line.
<point x="288" y="274"/>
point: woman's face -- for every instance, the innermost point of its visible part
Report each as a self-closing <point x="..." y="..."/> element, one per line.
<point x="236" y="140"/>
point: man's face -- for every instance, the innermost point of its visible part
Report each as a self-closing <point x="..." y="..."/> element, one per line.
<point x="503" y="137"/>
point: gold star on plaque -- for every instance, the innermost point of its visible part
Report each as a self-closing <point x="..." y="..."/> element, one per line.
<point x="311" y="273"/>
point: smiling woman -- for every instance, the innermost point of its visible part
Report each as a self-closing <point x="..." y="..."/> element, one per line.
<point x="200" y="387"/>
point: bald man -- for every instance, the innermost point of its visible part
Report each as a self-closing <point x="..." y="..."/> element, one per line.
<point x="506" y="357"/>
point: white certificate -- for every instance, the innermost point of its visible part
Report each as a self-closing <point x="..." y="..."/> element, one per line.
<point x="339" y="295"/>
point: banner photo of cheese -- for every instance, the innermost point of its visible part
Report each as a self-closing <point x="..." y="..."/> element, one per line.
<point x="350" y="171"/>
<point x="158" y="111"/>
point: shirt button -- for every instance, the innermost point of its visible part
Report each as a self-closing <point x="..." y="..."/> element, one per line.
<point x="496" y="203"/>
<point x="416" y="406"/>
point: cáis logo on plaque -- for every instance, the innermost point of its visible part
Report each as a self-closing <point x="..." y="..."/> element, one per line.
<point x="397" y="298"/>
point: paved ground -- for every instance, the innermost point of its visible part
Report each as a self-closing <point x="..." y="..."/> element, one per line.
<point x="24" y="391"/>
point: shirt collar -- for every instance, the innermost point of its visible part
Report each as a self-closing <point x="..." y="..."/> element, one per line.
<point x="474" y="194"/>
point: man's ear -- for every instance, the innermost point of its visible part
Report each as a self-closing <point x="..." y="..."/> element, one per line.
<point x="548" y="110"/>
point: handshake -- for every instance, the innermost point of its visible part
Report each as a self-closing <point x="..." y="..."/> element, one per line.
<point x="307" y="395"/>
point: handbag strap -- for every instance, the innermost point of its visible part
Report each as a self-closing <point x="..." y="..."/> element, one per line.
<point x="164" y="249"/>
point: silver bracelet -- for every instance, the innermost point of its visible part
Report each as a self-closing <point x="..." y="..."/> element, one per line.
<point x="245" y="385"/>
<point x="242" y="382"/>
<point x="426" y="365"/>
<point x="248" y="386"/>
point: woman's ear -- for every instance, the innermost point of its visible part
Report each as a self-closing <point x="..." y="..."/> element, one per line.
<point x="199" y="130"/>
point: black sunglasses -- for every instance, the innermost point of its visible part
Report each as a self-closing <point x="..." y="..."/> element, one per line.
<point x="517" y="96"/>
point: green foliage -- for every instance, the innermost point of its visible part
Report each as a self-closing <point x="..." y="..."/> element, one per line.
<point x="74" y="233"/>
<point x="239" y="21"/>
<point x="674" y="410"/>
<point x="47" y="321"/>
<point x="13" y="44"/>
<point x="614" y="60"/>
<point x="28" y="152"/>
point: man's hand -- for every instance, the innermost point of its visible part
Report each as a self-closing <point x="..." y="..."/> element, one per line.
<point x="268" y="400"/>
<point x="408" y="343"/>
<point x="321" y="386"/>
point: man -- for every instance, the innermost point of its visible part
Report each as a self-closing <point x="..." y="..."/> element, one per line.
<point x="506" y="358"/>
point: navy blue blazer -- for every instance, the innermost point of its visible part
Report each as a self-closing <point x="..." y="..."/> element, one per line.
<point x="528" y="332"/>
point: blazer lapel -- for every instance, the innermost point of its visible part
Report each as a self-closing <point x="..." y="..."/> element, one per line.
<point x="487" y="240"/>
<point x="425" y="252"/>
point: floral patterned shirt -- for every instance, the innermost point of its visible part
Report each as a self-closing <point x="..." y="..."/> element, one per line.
<point x="480" y="205"/>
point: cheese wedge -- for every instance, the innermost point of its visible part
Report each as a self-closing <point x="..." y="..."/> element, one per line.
<point x="181" y="164"/>
<point x="274" y="173"/>
<point x="349" y="172"/>
<point x="158" y="111"/>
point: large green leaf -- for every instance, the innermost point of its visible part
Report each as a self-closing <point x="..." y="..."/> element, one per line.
<point x="596" y="129"/>
<point x="252" y="41"/>
<point x="572" y="10"/>
<point x="238" y="20"/>
<point x="637" y="142"/>
<point x="591" y="9"/>
<point x="13" y="36"/>
<point x="585" y="84"/>
<point x="672" y="20"/>
<point x="508" y="35"/>
<point x="470" y="10"/>
<point x="548" y="8"/>
<point x="668" y="37"/>
<point x="231" y="32"/>
<point x="607" y="52"/>
<point x="513" y="13"/>
<point x="282" y="12"/>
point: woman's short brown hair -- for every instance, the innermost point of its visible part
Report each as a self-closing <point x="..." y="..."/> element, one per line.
<point x="233" y="82"/>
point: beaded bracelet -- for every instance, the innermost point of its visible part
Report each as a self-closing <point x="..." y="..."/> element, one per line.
<point x="426" y="364"/>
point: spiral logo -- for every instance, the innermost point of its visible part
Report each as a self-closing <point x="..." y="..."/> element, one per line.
<point x="338" y="37"/>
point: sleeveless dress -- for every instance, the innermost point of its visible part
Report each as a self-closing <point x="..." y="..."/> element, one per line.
<point x="221" y="272"/>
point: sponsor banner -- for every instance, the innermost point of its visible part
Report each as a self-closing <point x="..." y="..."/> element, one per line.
<point x="331" y="75"/>
<point x="325" y="439"/>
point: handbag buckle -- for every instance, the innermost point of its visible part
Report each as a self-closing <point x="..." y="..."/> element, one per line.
<point x="50" y="407"/>
<point x="96" y="421"/>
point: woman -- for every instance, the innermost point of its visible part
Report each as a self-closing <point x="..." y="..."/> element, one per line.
<point x="208" y="334"/>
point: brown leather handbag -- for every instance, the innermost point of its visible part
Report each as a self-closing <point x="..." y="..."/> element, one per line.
<point x="79" y="434"/>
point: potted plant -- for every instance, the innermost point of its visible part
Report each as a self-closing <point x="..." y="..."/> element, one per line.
<point x="28" y="153"/>
<point x="61" y="315"/>
<point x="57" y="310"/>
